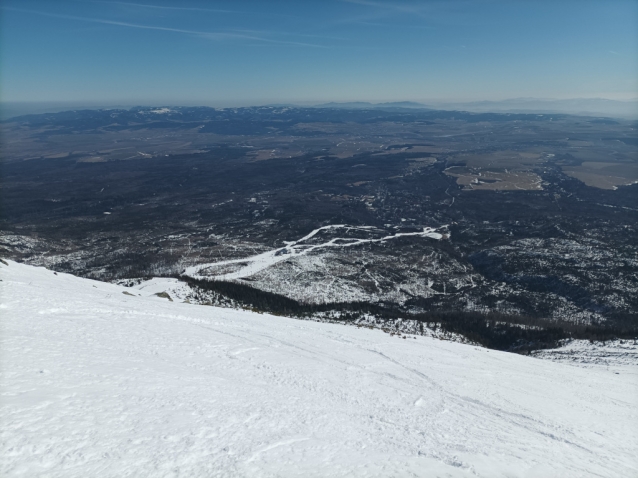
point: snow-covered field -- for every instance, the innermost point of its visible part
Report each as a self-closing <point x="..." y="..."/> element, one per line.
<point x="96" y="382"/>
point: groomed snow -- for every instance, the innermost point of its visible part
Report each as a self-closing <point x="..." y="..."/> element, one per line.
<point x="97" y="383"/>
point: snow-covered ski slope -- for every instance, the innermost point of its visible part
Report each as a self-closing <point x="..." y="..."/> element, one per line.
<point x="249" y="266"/>
<point x="103" y="384"/>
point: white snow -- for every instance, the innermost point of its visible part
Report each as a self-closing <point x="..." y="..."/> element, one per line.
<point x="98" y="383"/>
<point x="621" y="356"/>
<point x="250" y="266"/>
<point x="173" y="287"/>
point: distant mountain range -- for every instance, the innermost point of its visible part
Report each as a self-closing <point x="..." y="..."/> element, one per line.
<point x="368" y="105"/>
<point x="577" y="106"/>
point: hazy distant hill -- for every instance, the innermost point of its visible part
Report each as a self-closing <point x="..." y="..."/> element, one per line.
<point x="368" y="105"/>
<point x="579" y="106"/>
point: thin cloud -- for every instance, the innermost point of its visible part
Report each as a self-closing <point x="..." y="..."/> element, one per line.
<point x="163" y="7"/>
<point x="433" y="10"/>
<point x="615" y="53"/>
<point x="202" y="34"/>
<point x="387" y="5"/>
<point x="391" y="25"/>
<point x="186" y="9"/>
<point x="306" y="35"/>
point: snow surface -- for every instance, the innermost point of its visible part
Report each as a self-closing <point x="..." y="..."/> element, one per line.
<point x="99" y="383"/>
<point x="621" y="356"/>
<point x="161" y="111"/>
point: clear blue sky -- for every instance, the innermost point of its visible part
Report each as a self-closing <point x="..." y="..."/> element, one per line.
<point x="236" y="53"/>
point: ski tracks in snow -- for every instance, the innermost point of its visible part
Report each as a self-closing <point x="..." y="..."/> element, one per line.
<point x="98" y="383"/>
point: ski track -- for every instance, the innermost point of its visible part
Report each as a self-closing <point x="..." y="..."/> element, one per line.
<point x="97" y="383"/>
<point x="259" y="262"/>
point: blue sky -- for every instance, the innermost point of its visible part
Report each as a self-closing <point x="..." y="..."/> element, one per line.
<point x="239" y="53"/>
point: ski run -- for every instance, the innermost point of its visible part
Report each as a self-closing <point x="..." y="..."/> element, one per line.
<point x="252" y="265"/>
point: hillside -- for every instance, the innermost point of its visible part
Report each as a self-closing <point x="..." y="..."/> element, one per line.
<point x="103" y="380"/>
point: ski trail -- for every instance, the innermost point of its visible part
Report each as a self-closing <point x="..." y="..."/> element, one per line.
<point x="253" y="264"/>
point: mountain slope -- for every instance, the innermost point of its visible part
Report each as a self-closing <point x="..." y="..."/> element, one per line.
<point x="96" y="382"/>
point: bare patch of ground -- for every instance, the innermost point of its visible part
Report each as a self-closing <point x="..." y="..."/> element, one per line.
<point x="472" y="179"/>
<point x="604" y="175"/>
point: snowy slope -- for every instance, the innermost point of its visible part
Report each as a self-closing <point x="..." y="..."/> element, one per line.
<point x="620" y="356"/>
<point x="99" y="383"/>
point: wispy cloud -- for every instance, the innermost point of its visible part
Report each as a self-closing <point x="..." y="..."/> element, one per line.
<point x="164" y="7"/>
<point x="615" y="53"/>
<point x="218" y="35"/>
<point x="400" y="7"/>
<point x="391" y="25"/>
<point x="432" y="10"/>
<point x="186" y="9"/>
<point x="282" y="33"/>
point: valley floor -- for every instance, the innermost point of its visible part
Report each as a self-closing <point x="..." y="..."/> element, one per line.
<point x="98" y="382"/>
